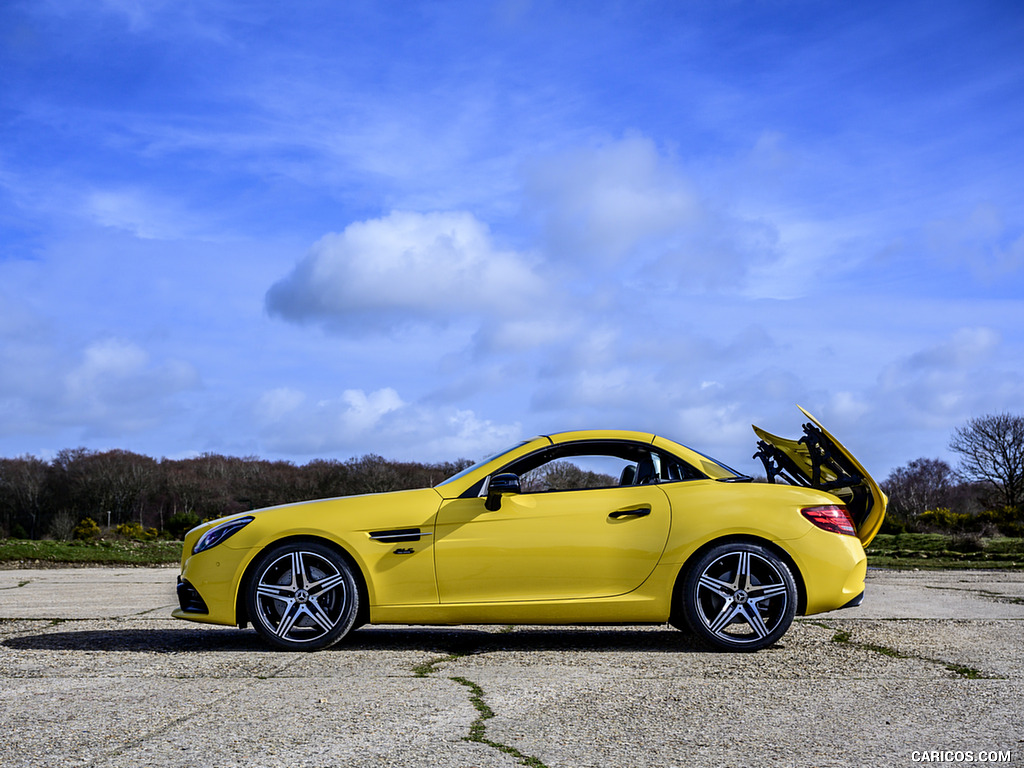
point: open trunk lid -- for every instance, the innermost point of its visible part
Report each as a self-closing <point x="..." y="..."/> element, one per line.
<point x="817" y="460"/>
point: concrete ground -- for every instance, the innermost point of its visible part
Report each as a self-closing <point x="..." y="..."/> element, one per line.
<point x="94" y="672"/>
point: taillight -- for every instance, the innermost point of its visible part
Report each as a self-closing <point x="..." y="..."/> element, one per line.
<point x="832" y="518"/>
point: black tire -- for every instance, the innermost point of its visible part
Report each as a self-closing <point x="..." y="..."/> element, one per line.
<point x="738" y="596"/>
<point x="302" y="596"/>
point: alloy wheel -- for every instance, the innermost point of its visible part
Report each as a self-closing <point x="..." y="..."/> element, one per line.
<point x="740" y="597"/>
<point x="302" y="597"/>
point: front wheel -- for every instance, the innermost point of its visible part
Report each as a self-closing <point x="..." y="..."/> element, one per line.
<point x="302" y="596"/>
<point x="739" y="596"/>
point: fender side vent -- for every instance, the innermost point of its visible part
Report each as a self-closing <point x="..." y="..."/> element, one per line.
<point x="398" y="534"/>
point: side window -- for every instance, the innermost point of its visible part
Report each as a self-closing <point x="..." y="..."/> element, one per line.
<point x="597" y="464"/>
<point x="573" y="474"/>
<point x="674" y="470"/>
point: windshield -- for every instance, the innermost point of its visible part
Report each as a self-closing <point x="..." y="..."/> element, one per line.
<point x="480" y="463"/>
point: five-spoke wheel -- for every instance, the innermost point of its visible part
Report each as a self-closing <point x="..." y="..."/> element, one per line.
<point x="739" y="596"/>
<point x="302" y="596"/>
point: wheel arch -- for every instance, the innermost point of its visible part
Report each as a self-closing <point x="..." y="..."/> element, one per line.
<point x="363" y="614"/>
<point x="684" y="569"/>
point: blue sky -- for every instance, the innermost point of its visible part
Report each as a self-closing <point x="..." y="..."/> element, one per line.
<point x="427" y="230"/>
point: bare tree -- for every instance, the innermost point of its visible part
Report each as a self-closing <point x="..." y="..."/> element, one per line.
<point x="991" y="452"/>
<point x="373" y="474"/>
<point x="23" y="487"/>
<point x="921" y="485"/>
<point x="563" y="476"/>
<point x="130" y="486"/>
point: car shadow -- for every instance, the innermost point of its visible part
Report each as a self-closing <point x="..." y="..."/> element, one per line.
<point x="460" y="640"/>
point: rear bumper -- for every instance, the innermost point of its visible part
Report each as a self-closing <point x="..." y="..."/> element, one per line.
<point x="833" y="567"/>
<point x="853" y="603"/>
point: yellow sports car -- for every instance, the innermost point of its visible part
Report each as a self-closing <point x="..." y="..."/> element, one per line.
<point x="596" y="527"/>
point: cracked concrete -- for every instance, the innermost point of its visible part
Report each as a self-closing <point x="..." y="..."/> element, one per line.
<point x="95" y="673"/>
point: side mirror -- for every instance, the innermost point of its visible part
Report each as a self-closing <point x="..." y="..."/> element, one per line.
<point x="498" y="487"/>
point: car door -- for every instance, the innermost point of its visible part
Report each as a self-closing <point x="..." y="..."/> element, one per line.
<point x="553" y="545"/>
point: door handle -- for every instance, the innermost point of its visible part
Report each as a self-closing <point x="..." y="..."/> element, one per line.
<point x="631" y="512"/>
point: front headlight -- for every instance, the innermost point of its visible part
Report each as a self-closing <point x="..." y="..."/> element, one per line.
<point x="218" y="533"/>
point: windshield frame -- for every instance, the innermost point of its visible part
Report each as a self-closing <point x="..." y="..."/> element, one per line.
<point x="483" y="462"/>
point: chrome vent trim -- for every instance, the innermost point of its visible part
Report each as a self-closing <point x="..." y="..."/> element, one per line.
<point x="399" y="534"/>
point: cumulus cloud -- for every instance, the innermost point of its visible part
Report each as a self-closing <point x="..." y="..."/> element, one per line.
<point x="406" y="267"/>
<point x="115" y="387"/>
<point x="294" y="423"/>
<point x="111" y="387"/>
<point x="625" y="204"/>
<point x="944" y="383"/>
<point x="608" y="200"/>
<point x="289" y="418"/>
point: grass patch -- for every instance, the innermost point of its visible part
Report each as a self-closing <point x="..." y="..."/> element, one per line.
<point x="967" y="672"/>
<point x="427" y="668"/>
<point x="103" y="552"/>
<point x="937" y="550"/>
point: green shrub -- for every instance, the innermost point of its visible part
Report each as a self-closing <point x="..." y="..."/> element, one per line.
<point x="1012" y="530"/>
<point x="136" y="532"/>
<point x="181" y="523"/>
<point x="86" y="530"/>
<point x="893" y="525"/>
<point x="1007" y="520"/>
<point x="947" y="520"/>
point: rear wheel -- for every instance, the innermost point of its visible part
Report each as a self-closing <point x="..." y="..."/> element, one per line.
<point x="739" y="596"/>
<point x="302" y="596"/>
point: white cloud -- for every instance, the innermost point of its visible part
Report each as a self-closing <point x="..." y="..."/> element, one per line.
<point x="608" y="201"/>
<point x="115" y="387"/>
<point x="112" y="387"/>
<point x="141" y="214"/>
<point x="364" y="411"/>
<point x="463" y="434"/>
<point x="406" y="268"/>
<point x="354" y="413"/>
<point x="542" y="327"/>
<point x="982" y="241"/>
<point x="849" y="406"/>
<point x="628" y="207"/>
<point x="379" y="421"/>
<point x="279" y="403"/>
<point x="714" y="424"/>
<point x="945" y="383"/>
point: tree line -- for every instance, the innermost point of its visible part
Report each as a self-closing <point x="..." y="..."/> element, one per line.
<point x="983" y="493"/>
<point x="50" y="498"/>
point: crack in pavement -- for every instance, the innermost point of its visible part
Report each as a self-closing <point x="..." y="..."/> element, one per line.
<point x="845" y="637"/>
<point x="988" y="594"/>
<point x="478" y="728"/>
<point x="197" y="710"/>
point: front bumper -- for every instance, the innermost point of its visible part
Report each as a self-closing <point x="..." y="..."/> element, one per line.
<point x="189" y="599"/>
